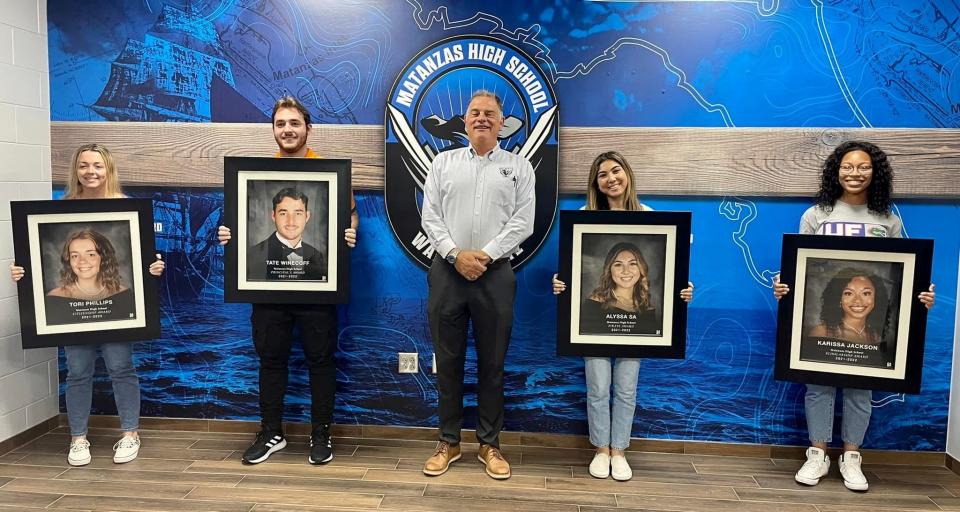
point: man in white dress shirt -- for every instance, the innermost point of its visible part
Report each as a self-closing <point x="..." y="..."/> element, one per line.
<point x="478" y="206"/>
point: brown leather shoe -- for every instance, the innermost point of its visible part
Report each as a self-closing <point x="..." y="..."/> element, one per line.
<point x="497" y="466"/>
<point x="440" y="461"/>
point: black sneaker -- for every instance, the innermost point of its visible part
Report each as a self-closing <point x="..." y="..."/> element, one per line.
<point x="321" y="449"/>
<point x="267" y="442"/>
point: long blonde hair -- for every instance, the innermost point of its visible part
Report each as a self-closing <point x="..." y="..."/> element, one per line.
<point x="596" y="200"/>
<point x="75" y="189"/>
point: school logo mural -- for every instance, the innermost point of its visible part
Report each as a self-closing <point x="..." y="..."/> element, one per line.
<point x="424" y="117"/>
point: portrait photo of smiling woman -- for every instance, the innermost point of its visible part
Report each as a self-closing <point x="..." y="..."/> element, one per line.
<point x="623" y="287"/>
<point x="850" y="312"/>
<point x="88" y="276"/>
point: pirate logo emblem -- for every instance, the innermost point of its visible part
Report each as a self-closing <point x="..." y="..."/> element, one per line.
<point x="424" y="117"/>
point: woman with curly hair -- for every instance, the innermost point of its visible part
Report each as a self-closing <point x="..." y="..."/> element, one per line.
<point x="624" y="286"/>
<point x="89" y="273"/>
<point x="854" y="308"/>
<point x="856" y="185"/>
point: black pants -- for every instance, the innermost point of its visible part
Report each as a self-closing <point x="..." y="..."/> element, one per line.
<point x="453" y="301"/>
<point x="273" y="336"/>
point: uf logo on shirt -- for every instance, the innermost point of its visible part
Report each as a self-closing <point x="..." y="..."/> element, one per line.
<point x="853" y="229"/>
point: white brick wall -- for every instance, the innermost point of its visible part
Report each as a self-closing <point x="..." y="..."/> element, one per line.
<point x="28" y="378"/>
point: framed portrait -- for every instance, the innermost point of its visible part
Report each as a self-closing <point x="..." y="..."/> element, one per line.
<point x="86" y="277"/>
<point x="287" y="217"/>
<point x="852" y="318"/>
<point x="624" y="272"/>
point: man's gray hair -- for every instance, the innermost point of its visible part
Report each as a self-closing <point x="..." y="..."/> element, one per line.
<point x="487" y="94"/>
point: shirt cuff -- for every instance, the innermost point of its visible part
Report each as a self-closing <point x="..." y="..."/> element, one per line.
<point x="493" y="251"/>
<point x="444" y="248"/>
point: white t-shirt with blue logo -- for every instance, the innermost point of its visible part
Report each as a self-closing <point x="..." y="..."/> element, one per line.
<point x="849" y="220"/>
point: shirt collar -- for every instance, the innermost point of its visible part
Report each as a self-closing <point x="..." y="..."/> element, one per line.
<point x="286" y="242"/>
<point x="488" y="156"/>
<point x="310" y="154"/>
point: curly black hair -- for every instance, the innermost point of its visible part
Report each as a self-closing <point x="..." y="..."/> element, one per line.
<point x="881" y="185"/>
<point x="831" y="313"/>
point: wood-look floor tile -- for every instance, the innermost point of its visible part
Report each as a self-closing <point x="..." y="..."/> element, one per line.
<point x="684" y="477"/>
<point x="813" y="497"/>
<point x="431" y="504"/>
<point x="269" y="507"/>
<point x="407" y="443"/>
<point x="726" y="449"/>
<point x="951" y="503"/>
<point x="27" y="499"/>
<point x="512" y="453"/>
<point x="293" y="445"/>
<point x="946" y="478"/>
<point x="107" y="441"/>
<point x="151" y="452"/>
<point x="280" y="496"/>
<point x="556" y="456"/>
<point x="745" y="468"/>
<point x="278" y="469"/>
<point x="332" y="485"/>
<point x="391" y="432"/>
<point x="103" y="503"/>
<point x="650" y="503"/>
<point x="836" y="485"/>
<point x="641" y="487"/>
<point x="555" y="440"/>
<point x="516" y="469"/>
<point x="478" y="478"/>
<point x="154" y="490"/>
<point x="300" y="457"/>
<point x="113" y="475"/>
<point x="138" y="464"/>
<point x="520" y="494"/>
<point x="11" y="457"/>
<point x="25" y="471"/>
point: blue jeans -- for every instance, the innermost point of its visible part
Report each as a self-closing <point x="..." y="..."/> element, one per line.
<point x="819" y="402"/>
<point x="606" y="429"/>
<point x="81" y="362"/>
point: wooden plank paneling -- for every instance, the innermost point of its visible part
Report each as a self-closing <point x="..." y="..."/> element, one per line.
<point x="668" y="161"/>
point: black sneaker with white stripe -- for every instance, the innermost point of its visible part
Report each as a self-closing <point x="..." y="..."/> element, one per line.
<point x="267" y="442"/>
<point x="321" y="449"/>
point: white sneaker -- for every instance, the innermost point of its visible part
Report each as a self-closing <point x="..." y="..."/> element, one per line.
<point x="126" y="449"/>
<point x="850" y="470"/>
<point x="600" y="465"/>
<point x="816" y="466"/>
<point x="619" y="469"/>
<point x="79" y="452"/>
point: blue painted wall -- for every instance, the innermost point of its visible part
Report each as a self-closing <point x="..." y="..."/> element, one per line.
<point x="712" y="64"/>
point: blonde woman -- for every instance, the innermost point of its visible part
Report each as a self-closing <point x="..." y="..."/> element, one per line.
<point x="93" y="175"/>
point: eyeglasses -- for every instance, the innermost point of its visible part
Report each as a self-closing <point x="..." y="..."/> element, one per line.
<point x="863" y="169"/>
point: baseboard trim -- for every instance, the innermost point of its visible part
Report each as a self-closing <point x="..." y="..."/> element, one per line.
<point x="547" y="440"/>
<point x="29" y="434"/>
<point x="952" y="464"/>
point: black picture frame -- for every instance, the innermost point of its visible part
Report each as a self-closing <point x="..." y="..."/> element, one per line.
<point x="48" y="317"/>
<point x="881" y="347"/>
<point x="323" y="277"/>
<point x="586" y="237"/>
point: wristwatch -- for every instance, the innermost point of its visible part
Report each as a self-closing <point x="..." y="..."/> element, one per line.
<point x="452" y="256"/>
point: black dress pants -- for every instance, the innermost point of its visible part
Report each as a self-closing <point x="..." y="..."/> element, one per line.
<point x="273" y="326"/>
<point x="454" y="301"/>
